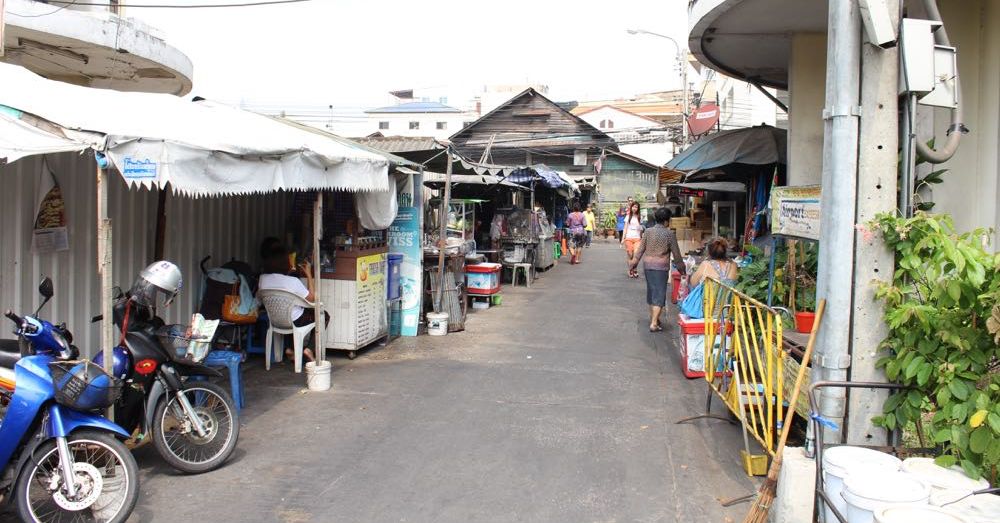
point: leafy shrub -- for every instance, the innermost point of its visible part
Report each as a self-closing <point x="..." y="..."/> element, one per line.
<point x="940" y="308"/>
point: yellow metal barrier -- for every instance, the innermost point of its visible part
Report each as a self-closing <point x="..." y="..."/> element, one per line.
<point x="743" y="345"/>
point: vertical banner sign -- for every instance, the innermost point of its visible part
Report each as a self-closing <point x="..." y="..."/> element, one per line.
<point x="371" y="298"/>
<point x="404" y="238"/>
<point x="50" y="233"/>
<point x="795" y="211"/>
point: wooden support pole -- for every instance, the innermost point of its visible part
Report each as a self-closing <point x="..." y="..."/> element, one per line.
<point x="104" y="267"/>
<point x="318" y="277"/>
<point x="443" y="241"/>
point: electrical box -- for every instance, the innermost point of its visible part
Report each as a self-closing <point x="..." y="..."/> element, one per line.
<point x="945" y="92"/>
<point x="916" y="56"/>
<point x="878" y="22"/>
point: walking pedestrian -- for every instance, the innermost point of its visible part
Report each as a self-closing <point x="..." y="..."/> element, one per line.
<point x="591" y="223"/>
<point x="632" y="235"/>
<point x="619" y="223"/>
<point x="577" y="223"/>
<point x="659" y="247"/>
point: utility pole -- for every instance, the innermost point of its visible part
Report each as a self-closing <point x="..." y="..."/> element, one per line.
<point x="878" y="143"/>
<point x="835" y="279"/>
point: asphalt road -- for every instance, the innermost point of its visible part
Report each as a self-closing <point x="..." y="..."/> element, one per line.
<point x="558" y="406"/>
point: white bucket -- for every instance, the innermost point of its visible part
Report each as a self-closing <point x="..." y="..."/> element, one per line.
<point x="940" y="478"/>
<point x="981" y="508"/>
<point x="867" y="491"/>
<point x="838" y="462"/>
<point x="917" y="514"/>
<point x="437" y="323"/>
<point x="318" y="375"/>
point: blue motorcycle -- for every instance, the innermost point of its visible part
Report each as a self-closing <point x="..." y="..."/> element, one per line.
<point x="61" y="460"/>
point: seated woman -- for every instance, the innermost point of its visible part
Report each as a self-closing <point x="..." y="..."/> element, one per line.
<point x="276" y="275"/>
<point x="717" y="265"/>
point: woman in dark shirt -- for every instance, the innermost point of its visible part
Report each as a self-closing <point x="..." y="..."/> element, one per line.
<point x="658" y="246"/>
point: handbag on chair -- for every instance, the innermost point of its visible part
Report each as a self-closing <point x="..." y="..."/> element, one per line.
<point x="232" y="311"/>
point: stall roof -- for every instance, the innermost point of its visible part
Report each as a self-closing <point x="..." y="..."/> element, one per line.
<point x="391" y="158"/>
<point x="199" y="149"/>
<point x="436" y="180"/>
<point x="714" y="186"/>
<point x="430" y="153"/>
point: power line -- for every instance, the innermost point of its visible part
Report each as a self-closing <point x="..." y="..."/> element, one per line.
<point x="64" y="6"/>
<point x="175" y="6"/>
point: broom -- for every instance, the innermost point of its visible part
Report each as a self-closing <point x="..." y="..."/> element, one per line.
<point x="765" y="496"/>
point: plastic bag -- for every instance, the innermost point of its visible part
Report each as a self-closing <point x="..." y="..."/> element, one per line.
<point x="693" y="305"/>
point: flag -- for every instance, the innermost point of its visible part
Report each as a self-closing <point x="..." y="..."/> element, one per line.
<point x="599" y="162"/>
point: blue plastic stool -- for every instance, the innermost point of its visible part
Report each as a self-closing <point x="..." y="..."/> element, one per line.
<point x="231" y="361"/>
<point x="263" y="322"/>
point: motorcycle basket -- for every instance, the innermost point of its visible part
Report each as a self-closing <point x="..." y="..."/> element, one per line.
<point x="82" y="385"/>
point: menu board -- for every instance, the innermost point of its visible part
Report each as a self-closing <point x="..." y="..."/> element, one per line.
<point x="371" y="298"/>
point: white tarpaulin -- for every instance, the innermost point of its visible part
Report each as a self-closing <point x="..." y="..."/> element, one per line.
<point x="199" y="148"/>
<point x="377" y="210"/>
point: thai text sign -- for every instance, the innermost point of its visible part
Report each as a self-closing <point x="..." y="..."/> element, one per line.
<point x="795" y="211"/>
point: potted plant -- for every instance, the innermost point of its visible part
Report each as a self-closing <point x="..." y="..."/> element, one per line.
<point x="609" y="223"/>
<point x="805" y="307"/>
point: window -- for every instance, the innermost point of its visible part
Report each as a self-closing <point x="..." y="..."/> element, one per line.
<point x="414" y="125"/>
<point x="580" y="157"/>
<point x="383" y="125"/>
<point x="611" y="124"/>
<point x="604" y="123"/>
<point x="442" y="126"/>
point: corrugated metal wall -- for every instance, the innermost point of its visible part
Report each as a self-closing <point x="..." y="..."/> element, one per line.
<point x="224" y="228"/>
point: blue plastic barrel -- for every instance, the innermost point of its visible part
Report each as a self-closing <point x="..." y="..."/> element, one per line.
<point x="392" y="281"/>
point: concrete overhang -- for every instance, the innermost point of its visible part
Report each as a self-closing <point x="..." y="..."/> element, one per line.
<point x="94" y="48"/>
<point x="751" y="39"/>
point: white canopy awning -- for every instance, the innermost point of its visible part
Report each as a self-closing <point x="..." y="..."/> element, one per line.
<point x="198" y="148"/>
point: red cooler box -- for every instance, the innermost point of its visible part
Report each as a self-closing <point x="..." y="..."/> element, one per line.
<point x="483" y="278"/>
<point x="693" y="346"/>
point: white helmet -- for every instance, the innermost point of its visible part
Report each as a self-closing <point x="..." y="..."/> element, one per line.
<point x="159" y="277"/>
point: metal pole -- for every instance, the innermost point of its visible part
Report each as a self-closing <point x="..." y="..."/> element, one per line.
<point x="908" y="156"/>
<point x="682" y="58"/>
<point x="318" y="278"/>
<point x="873" y="261"/>
<point x="839" y="190"/>
<point x="442" y="242"/>
<point x="104" y="267"/>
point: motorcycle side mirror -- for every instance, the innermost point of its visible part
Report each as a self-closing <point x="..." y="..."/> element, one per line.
<point x="45" y="288"/>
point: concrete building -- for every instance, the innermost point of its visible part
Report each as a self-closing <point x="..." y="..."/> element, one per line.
<point x="417" y="119"/>
<point x="93" y="45"/>
<point x="635" y="134"/>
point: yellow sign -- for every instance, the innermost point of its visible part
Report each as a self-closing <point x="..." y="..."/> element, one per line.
<point x="370" y="279"/>
<point x="795" y="211"/>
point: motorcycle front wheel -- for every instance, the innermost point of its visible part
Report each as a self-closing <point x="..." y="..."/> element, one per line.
<point x="178" y="441"/>
<point x="106" y="475"/>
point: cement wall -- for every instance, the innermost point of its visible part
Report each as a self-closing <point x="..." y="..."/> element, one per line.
<point x="806" y="94"/>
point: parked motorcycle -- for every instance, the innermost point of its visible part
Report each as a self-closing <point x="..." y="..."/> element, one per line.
<point x="60" y="461"/>
<point x="193" y="422"/>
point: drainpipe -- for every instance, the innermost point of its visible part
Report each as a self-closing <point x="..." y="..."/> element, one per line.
<point x="957" y="128"/>
<point x="839" y="191"/>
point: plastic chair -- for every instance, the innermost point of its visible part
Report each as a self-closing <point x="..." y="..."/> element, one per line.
<point x="279" y="305"/>
<point x="526" y="268"/>
<point x="231" y="361"/>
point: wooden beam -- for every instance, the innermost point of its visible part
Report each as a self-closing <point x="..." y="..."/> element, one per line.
<point x="443" y="240"/>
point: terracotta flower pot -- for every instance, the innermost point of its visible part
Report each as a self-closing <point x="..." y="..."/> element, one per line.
<point x="804" y="321"/>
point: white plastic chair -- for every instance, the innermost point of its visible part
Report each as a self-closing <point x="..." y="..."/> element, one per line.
<point x="279" y="305"/>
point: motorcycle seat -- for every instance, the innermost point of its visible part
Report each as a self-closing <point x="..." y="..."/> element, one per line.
<point x="10" y="353"/>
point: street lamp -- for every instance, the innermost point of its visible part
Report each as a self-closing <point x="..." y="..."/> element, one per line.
<point x="682" y="61"/>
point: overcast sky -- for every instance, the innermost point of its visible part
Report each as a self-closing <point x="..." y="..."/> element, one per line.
<point x="349" y="53"/>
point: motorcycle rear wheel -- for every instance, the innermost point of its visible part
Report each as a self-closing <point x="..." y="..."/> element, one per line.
<point x="176" y="439"/>
<point x="92" y="452"/>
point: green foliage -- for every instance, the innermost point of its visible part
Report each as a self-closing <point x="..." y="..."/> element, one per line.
<point x="938" y="308"/>
<point x="753" y="278"/>
<point x="608" y="220"/>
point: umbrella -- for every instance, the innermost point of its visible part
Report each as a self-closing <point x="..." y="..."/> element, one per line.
<point x="759" y="145"/>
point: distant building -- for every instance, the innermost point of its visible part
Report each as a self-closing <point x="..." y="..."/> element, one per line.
<point x="635" y="134"/>
<point x="432" y="119"/>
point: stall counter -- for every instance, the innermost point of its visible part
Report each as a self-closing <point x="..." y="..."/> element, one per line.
<point x="354" y="295"/>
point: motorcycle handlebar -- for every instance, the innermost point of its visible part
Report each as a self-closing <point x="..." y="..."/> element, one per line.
<point x="14" y="317"/>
